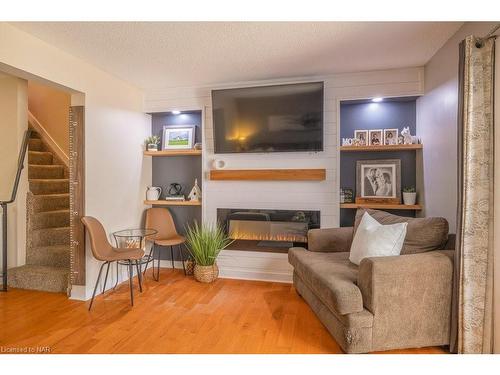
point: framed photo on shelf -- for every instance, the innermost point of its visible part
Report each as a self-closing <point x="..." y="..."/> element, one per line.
<point x="375" y="137"/>
<point x="362" y="137"/>
<point x="176" y="137"/>
<point x="391" y="137"/>
<point x="378" y="181"/>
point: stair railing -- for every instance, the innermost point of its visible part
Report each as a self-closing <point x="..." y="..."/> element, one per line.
<point x="3" y="204"/>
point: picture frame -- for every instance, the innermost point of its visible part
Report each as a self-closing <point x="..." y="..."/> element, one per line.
<point x="378" y="181"/>
<point x="362" y="137"/>
<point x="178" y="137"/>
<point x="375" y="137"/>
<point x="391" y="137"/>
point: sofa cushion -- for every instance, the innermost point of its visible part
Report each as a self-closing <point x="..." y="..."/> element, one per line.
<point x="422" y="234"/>
<point x="331" y="276"/>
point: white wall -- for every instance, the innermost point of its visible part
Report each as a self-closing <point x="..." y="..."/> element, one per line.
<point x="303" y="195"/>
<point x="437" y="126"/>
<point x="115" y="125"/>
<point x="13" y="124"/>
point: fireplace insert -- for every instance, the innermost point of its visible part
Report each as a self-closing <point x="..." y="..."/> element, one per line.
<point x="266" y="229"/>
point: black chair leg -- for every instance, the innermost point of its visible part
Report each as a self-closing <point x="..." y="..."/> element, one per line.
<point x="131" y="274"/>
<point x="139" y="275"/>
<point x="150" y="257"/>
<point x="116" y="283"/>
<point x="182" y="259"/>
<point x="172" y="255"/>
<point x="97" y="283"/>
<point x="156" y="277"/>
<point x="106" y="278"/>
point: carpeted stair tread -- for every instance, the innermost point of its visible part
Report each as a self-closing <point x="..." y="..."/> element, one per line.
<point x="49" y="186"/>
<point x="40" y="171"/>
<point x="40" y="157"/>
<point x="50" y="202"/>
<point x="48" y="250"/>
<point x="55" y="256"/>
<point x="50" y="219"/>
<point x="35" y="144"/>
<point x="50" y="236"/>
<point x="36" y="277"/>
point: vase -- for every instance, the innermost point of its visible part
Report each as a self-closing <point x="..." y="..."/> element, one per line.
<point x="409" y="199"/>
<point x="206" y="274"/>
<point x="152" y="147"/>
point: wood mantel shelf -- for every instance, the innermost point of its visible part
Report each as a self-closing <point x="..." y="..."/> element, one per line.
<point x="382" y="148"/>
<point x="382" y="206"/>
<point x="172" y="203"/>
<point x="190" y="152"/>
<point x="268" y="174"/>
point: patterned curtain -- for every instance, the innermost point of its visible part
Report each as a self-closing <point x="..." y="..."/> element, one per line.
<point x="472" y="329"/>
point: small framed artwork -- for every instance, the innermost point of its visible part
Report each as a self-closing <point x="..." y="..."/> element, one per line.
<point x="362" y="137"/>
<point x="391" y="136"/>
<point x="375" y="137"/>
<point x="378" y="180"/>
<point x="177" y="137"/>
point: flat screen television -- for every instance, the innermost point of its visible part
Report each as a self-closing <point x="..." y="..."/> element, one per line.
<point x="279" y="118"/>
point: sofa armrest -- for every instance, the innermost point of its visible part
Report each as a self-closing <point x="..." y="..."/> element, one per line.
<point x="406" y="283"/>
<point x="330" y="240"/>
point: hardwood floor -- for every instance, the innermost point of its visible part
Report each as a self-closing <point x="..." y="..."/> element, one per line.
<point x="175" y="315"/>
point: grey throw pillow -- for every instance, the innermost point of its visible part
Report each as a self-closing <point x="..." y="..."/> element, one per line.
<point x="422" y="234"/>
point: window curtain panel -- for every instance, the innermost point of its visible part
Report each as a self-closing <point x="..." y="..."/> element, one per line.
<point x="472" y="320"/>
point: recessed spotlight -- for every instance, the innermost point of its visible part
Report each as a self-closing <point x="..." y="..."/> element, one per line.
<point x="176" y="112"/>
<point x="377" y="100"/>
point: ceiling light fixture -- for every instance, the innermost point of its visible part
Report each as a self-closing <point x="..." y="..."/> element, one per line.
<point x="377" y="100"/>
<point x="176" y="112"/>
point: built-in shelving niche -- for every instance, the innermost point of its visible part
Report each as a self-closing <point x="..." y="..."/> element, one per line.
<point x="389" y="114"/>
<point x="179" y="167"/>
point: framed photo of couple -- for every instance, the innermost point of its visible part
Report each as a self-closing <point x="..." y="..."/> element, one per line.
<point x="378" y="180"/>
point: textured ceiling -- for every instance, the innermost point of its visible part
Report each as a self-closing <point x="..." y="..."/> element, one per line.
<point x="170" y="54"/>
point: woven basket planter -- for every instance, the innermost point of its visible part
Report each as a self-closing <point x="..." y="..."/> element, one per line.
<point x="206" y="274"/>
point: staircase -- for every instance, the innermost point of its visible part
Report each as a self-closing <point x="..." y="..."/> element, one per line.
<point x="47" y="249"/>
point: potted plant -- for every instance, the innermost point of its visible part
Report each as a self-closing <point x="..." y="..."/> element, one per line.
<point x="152" y="143"/>
<point x="204" y="243"/>
<point x="409" y="196"/>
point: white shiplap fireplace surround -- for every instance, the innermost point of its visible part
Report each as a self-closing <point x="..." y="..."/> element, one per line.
<point x="287" y="195"/>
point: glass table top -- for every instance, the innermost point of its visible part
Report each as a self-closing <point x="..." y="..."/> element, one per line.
<point x="139" y="232"/>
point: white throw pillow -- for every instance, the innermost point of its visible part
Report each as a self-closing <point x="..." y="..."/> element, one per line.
<point x="373" y="239"/>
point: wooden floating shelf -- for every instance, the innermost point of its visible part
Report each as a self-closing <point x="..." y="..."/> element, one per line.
<point x="268" y="174"/>
<point x="172" y="203"/>
<point x="383" y="148"/>
<point x="192" y="152"/>
<point x="382" y="206"/>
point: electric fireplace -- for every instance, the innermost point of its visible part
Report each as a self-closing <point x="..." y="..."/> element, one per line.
<point x="266" y="229"/>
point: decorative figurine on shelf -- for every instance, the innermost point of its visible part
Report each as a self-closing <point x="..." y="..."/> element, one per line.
<point x="195" y="194"/>
<point x="408" y="138"/>
<point x="175" y="192"/>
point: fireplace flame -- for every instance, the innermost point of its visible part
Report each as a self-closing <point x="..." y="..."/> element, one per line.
<point x="267" y="231"/>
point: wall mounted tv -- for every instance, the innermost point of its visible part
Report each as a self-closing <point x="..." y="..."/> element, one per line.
<point x="280" y="118"/>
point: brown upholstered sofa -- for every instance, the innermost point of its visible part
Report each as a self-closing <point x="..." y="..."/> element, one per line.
<point x="386" y="303"/>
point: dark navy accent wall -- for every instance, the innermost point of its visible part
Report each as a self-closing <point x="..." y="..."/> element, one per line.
<point x="367" y="115"/>
<point x="384" y="115"/>
<point x="180" y="169"/>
